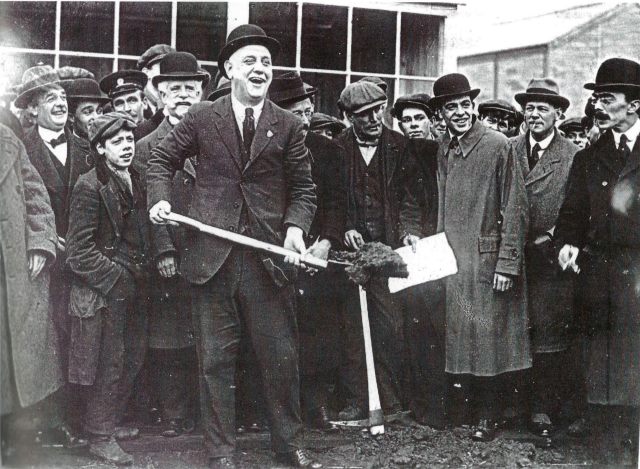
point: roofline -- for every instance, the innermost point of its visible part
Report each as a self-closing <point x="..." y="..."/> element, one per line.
<point x="533" y="47"/>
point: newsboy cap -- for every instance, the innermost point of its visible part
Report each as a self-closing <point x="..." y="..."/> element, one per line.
<point x="244" y="35"/>
<point x="361" y="96"/>
<point x="324" y="121"/>
<point x="107" y="125"/>
<point x="497" y="105"/>
<point x="418" y="100"/>
<point x="572" y="124"/>
<point x="376" y="81"/>
<point x="122" y="82"/>
<point x="153" y="55"/>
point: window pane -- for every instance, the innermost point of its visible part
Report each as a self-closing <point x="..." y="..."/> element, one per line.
<point x="99" y="67"/>
<point x="124" y="64"/>
<point x="12" y="66"/>
<point x="415" y="86"/>
<point x="329" y="88"/>
<point x="28" y="24"/>
<point x="87" y="26"/>
<point x="143" y="24"/>
<point x="202" y="28"/>
<point x="324" y="37"/>
<point x="420" y="45"/>
<point x="272" y="17"/>
<point x="374" y="41"/>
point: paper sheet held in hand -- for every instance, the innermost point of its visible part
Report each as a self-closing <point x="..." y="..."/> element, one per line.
<point x="433" y="259"/>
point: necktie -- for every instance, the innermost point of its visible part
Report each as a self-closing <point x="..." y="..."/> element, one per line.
<point x="248" y="129"/>
<point x="623" y="148"/>
<point x="533" y="158"/>
<point x="454" y="145"/>
<point x="58" y="141"/>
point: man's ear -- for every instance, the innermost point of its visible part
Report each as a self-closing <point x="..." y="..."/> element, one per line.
<point x="228" y="67"/>
<point x="634" y="106"/>
<point x="100" y="148"/>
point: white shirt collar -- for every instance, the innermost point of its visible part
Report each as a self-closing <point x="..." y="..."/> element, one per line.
<point x="544" y="143"/>
<point x="631" y="133"/>
<point x="60" y="151"/>
<point x="239" y="110"/>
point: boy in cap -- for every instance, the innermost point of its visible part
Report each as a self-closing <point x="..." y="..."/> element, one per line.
<point x="545" y="157"/>
<point x="325" y="125"/>
<point x="598" y="236"/>
<point x="499" y="115"/>
<point x="107" y="251"/>
<point x="254" y="177"/>
<point x="483" y="211"/>
<point x="575" y="131"/>
<point x="414" y="115"/>
<point x="85" y="102"/>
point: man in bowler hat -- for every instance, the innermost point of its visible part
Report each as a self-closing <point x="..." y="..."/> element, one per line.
<point x="254" y="176"/>
<point x="598" y="237"/>
<point x="483" y="211"/>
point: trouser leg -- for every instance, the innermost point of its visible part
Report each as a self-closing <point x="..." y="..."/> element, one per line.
<point x="268" y="312"/>
<point x="172" y="367"/>
<point x="352" y="372"/>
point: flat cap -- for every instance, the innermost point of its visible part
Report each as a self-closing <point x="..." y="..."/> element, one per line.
<point x="574" y="123"/>
<point x="497" y="105"/>
<point x="323" y="121"/>
<point x="418" y="100"/>
<point x="376" y="81"/>
<point x="107" y="125"/>
<point x="361" y="96"/>
<point x="73" y="73"/>
<point x="153" y="55"/>
<point x="122" y="82"/>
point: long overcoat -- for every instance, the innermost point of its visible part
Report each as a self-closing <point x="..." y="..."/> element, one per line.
<point x="170" y="323"/>
<point x="549" y="289"/>
<point x="483" y="211"/>
<point x="601" y="216"/>
<point x="29" y="355"/>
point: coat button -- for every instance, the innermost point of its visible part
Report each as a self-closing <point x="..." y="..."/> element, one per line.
<point x="236" y="204"/>
<point x="232" y="228"/>
<point x="186" y="182"/>
<point x="604" y="183"/>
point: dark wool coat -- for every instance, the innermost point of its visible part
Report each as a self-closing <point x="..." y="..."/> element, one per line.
<point x="29" y="355"/>
<point x="96" y="225"/>
<point x="395" y="158"/>
<point x="484" y="213"/>
<point x="550" y="291"/>
<point x="170" y="324"/>
<point x="274" y="188"/>
<point x="601" y="216"/>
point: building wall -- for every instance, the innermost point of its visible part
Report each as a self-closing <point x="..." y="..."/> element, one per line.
<point x="574" y="60"/>
<point x="480" y="72"/>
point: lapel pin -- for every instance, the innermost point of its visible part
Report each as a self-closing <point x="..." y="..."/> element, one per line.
<point x="604" y="183"/>
<point x="269" y="134"/>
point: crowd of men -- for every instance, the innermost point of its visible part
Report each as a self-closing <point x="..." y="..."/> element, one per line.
<point x="110" y="311"/>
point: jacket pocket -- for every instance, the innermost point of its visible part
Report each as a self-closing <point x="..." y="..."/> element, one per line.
<point x="84" y="301"/>
<point x="488" y="247"/>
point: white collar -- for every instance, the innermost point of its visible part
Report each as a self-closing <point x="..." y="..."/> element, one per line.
<point x="239" y="109"/>
<point x="631" y="133"/>
<point x="544" y="143"/>
<point x="47" y="134"/>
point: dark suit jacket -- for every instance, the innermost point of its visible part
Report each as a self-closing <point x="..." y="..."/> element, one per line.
<point x="275" y="187"/>
<point x="326" y="168"/>
<point x="149" y="125"/>
<point x="396" y="158"/>
<point x="58" y="188"/>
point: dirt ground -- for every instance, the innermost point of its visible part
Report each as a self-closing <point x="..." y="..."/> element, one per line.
<point x="400" y="447"/>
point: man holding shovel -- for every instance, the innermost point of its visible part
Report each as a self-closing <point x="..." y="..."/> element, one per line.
<point x="253" y="177"/>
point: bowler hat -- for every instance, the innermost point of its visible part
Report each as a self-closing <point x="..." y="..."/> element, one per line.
<point x="289" y="88"/>
<point x="123" y="82"/>
<point x="33" y="80"/>
<point x="180" y="66"/>
<point x="153" y="55"/>
<point x="84" y="89"/>
<point x="450" y="86"/>
<point x="322" y="121"/>
<point x="361" y="96"/>
<point x="107" y="125"/>
<point x="244" y="35"/>
<point x="419" y="100"/>
<point x="223" y="89"/>
<point x="545" y="90"/>
<point x="497" y="105"/>
<point x="616" y="73"/>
